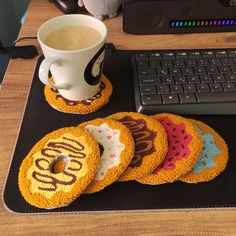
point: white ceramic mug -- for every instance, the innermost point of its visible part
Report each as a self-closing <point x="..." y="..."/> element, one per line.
<point x="76" y="73"/>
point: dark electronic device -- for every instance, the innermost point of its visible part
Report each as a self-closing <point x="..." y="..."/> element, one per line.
<point x="185" y="81"/>
<point x="66" y="6"/>
<point x="178" y="16"/>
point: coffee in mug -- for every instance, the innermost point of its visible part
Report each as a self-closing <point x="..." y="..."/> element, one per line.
<point x="73" y="38"/>
<point x="74" y="49"/>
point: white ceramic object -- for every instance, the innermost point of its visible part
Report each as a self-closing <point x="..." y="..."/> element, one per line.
<point x="76" y="73"/>
<point x="101" y="8"/>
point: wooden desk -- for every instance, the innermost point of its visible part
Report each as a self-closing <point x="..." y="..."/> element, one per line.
<point x="13" y="96"/>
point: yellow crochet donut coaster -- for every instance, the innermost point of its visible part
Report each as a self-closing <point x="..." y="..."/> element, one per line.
<point x="90" y="105"/>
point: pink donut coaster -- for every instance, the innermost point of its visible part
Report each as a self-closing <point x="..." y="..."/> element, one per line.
<point x="184" y="149"/>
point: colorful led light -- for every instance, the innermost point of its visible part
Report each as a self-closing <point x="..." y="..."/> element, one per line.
<point x="202" y="23"/>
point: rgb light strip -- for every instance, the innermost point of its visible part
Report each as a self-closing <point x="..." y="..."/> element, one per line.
<point x="202" y="23"/>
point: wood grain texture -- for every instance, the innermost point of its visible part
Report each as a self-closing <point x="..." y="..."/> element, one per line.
<point x="13" y="97"/>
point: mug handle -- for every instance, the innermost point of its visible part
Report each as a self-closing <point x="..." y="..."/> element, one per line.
<point x="44" y="71"/>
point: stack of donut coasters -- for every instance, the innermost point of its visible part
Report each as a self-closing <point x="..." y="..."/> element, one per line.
<point x="125" y="146"/>
<point x="90" y="105"/>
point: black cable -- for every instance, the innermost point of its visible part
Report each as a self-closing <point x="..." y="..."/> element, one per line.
<point x="23" y="38"/>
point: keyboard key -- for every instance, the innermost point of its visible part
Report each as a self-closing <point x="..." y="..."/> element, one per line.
<point x="215" y="62"/>
<point x="163" y="89"/>
<point x="229" y="87"/>
<point x="148" y="80"/>
<point x="227" y="62"/>
<point x="212" y="70"/>
<point x="168" y="56"/>
<point x="155" y="64"/>
<point x="218" y="78"/>
<point x="155" y="56"/>
<point x="141" y="57"/>
<point x="170" y="99"/>
<point x="187" y="71"/>
<point x="215" y="88"/>
<point x="208" y="54"/>
<point x="166" y="64"/>
<point x="146" y="73"/>
<point x="195" y="55"/>
<point x="162" y="72"/>
<point x="180" y="79"/>
<point x="200" y="71"/>
<point x="151" y="100"/>
<point x="175" y="71"/>
<point x="181" y="55"/>
<point x="193" y="79"/>
<point x="206" y="79"/>
<point x="233" y="68"/>
<point x="203" y="62"/>
<point x="189" y="88"/>
<point x="148" y="89"/>
<point x="232" y="53"/>
<point x="178" y="63"/>
<point x="191" y="63"/>
<point x="224" y="70"/>
<point x="203" y="88"/>
<point x="216" y="97"/>
<point x="221" y="54"/>
<point x="176" y="89"/>
<point x="166" y="80"/>
<point x="231" y="78"/>
<point x="187" y="98"/>
<point x="142" y="65"/>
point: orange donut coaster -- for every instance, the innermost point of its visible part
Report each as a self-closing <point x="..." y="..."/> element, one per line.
<point x="90" y="105"/>
<point x="214" y="156"/>
<point x="185" y="146"/>
<point x="58" y="168"/>
<point x="117" y="146"/>
<point x="150" y="143"/>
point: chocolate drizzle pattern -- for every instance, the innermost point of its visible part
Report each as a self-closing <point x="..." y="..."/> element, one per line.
<point x="143" y="138"/>
<point x="53" y="149"/>
<point x="84" y="102"/>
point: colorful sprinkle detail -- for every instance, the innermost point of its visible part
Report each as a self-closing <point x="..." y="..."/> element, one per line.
<point x="110" y="140"/>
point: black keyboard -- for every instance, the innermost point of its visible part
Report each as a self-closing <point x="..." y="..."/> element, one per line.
<point x="185" y="81"/>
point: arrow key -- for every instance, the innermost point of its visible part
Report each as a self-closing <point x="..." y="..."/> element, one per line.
<point x="170" y="99"/>
<point x="187" y="98"/>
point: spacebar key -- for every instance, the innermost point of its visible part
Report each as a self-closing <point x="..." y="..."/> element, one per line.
<point x="216" y="97"/>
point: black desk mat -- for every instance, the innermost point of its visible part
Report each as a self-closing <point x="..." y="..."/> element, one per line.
<point x="40" y="119"/>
